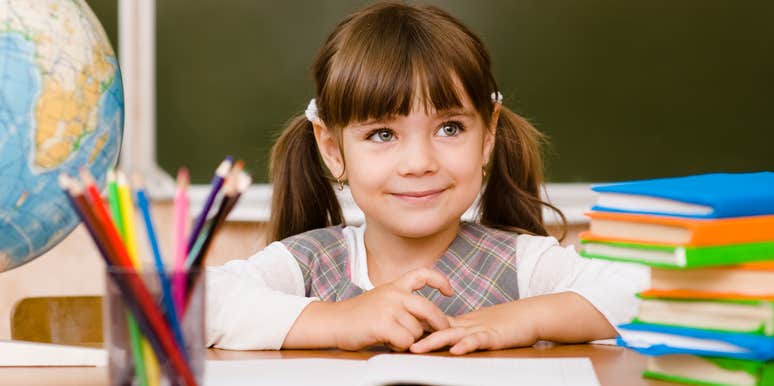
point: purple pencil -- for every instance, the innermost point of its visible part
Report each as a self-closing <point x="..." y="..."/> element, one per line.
<point x="215" y="185"/>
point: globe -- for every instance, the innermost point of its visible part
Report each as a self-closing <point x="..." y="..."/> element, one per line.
<point x="61" y="108"/>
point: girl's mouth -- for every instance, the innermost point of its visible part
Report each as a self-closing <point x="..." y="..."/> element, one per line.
<point x="419" y="196"/>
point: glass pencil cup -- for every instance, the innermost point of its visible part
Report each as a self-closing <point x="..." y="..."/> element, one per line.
<point x="141" y="338"/>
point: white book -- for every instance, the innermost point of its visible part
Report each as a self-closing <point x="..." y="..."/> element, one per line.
<point x="21" y="353"/>
<point x="675" y="257"/>
<point x="650" y="204"/>
<point x="390" y="369"/>
<point x="744" y="317"/>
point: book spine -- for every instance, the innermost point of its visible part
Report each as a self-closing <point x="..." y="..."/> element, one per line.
<point x="707" y="256"/>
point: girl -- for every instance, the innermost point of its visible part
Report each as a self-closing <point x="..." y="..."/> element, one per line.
<point x="407" y="113"/>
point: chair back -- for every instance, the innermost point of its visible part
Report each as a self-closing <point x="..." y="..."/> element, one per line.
<point x="73" y="320"/>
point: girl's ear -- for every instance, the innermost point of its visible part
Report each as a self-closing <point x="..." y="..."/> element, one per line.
<point x="329" y="149"/>
<point x="490" y="134"/>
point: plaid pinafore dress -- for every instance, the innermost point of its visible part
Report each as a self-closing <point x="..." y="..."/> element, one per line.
<point x="480" y="264"/>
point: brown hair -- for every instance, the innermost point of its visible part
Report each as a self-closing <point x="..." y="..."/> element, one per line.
<point x="375" y="64"/>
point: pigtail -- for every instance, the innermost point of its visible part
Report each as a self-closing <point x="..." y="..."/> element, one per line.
<point x="516" y="171"/>
<point x="302" y="198"/>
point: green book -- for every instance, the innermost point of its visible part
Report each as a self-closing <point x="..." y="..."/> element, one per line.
<point x="678" y="256"/>
<point x="707" y="371"/>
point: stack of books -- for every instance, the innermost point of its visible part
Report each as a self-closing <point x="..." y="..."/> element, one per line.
<point x="708" y="318"/>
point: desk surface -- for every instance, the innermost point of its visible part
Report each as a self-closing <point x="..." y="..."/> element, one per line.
<point x="613" y="365"/>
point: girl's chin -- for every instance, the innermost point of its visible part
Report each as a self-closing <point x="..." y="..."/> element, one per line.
<point x="416" y="226"/>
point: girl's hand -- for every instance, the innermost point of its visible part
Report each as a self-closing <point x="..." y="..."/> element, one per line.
<point x="489" y="328"/>
<point x="391" y="314"/>
<point x="556" y="317"/>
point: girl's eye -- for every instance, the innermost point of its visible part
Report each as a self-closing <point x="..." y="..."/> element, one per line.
<point x="381" y="135"/>
<point x="450" y="129"/>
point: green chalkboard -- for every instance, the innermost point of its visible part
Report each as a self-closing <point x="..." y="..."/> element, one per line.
<point x="624" y="89"/>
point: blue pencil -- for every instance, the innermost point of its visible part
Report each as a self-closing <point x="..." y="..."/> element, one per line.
<point x="215" y="185"/>
<point x="142" y="202"/>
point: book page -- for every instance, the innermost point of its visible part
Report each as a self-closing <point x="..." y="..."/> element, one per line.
<point x="22" y="353"/>
<point x="284" y="372"/>
<point x="390" y="369"/>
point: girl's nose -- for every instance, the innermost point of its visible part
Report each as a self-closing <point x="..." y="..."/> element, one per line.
<point x="417" y="158"/>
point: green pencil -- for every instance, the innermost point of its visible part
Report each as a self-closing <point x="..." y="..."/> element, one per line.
<point x="134" y="330"/>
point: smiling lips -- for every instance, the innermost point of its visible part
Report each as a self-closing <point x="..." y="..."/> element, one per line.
<point x="419" y="197"/>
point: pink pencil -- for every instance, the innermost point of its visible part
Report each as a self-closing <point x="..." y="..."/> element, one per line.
<point x="181" y="246"/>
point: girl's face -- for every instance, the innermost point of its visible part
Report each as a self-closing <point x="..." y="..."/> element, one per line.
<point x="417" y="174"/>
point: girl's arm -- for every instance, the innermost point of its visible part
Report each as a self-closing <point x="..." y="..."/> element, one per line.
<point x="564" y="298"/>
<point x="252" y="303"/>
<point x="259" y="303"/>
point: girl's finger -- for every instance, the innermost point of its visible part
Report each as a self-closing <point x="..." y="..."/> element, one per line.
<point x="410" y="323"/>
<point x="419" y="278"/>
<point x="399" y="338"/>
<point x="470" y="343"/>
<point x="426" y="310"/>
<point x="438" y="339"/>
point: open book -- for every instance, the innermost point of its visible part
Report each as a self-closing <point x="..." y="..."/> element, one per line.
<point x="21" y="353"/>
<point x="393" y="369"/>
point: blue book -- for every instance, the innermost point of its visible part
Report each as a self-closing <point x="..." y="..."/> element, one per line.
<point x="718" y="195"/>
<point x="659" y="339"/>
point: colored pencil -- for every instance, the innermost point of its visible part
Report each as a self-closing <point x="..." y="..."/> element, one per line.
<point x="135" y="340"/>
<point x="181" y="249"/>
<point x="75" y="193"/>
<point x="230" y="187"/>
<point x="115" y="206"/>
<point x="243" y="183"/>
<point x="127" y="215"/>
<point x="142" y="203"/>
<point x="236" y="187"/>
<point x="206" y="236"/>
<point x="130" y="240"/>
<point x="148" y="312"/>
<point x="215" y="185"/>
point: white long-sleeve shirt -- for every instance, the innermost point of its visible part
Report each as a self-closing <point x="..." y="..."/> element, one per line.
<point x="253" y="303"/>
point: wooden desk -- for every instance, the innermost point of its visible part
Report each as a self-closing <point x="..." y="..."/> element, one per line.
<point x="614" y="365"/>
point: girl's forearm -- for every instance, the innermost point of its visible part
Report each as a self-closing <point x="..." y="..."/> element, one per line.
<point x="566" y="317"/>
<point x="312" y="329"/>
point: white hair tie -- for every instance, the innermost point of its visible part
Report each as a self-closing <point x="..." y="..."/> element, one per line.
<point x="311" y="108"/>
<point x="497" y="97"/>
<point x="311" y="111"/>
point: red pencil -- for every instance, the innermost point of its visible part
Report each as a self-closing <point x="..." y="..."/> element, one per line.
<point x="74" y="192"/>
<point x="147" y="305"/>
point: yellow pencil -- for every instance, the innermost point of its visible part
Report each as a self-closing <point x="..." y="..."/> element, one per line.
<point x="127" y="215"/>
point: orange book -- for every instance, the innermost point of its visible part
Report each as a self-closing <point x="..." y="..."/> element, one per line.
<point x="645" y="228"/>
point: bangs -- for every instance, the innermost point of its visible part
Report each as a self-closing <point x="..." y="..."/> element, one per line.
<point x="406" y="60"/>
